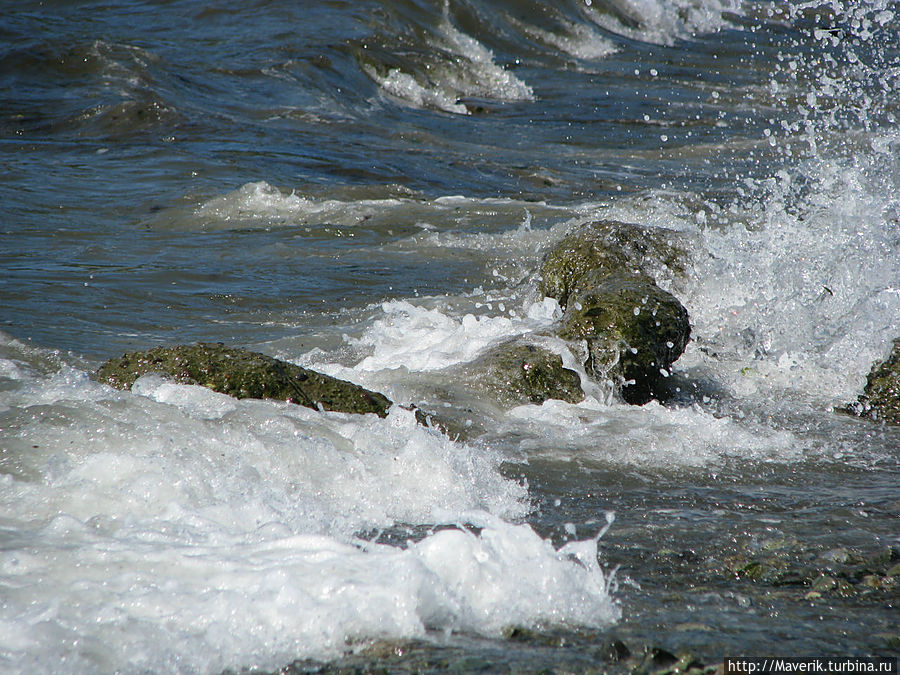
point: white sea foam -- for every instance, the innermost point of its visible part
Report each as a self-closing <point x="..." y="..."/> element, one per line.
<point x="420" y="339"/>
<point x="661" y="21"/>
<point x="405" y="87"/>
<point x="472" y="72"/>
<point x="142" y="602"/>
<point x="578" y="40"/>
<point x="491" y="80"/>
<point x="648" y="436"/>
<point x="185" y="531"/>
<point x="348" y="471"/>
<point x="806" y="298"/>
<point x="260" y="204"/>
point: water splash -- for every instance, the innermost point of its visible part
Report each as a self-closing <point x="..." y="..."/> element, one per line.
<point x="659" y="21"/>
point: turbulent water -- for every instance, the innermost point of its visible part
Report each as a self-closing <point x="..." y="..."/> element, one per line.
<point x="368" y="189"/>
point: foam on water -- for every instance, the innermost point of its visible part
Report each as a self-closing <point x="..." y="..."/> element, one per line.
<point x="420" y="339"/>
<point x="185" y="531"/>
<point x="150" y="604"/>
<point x="327" y="473"/>
<point x="406" y="88"/>
<point x="492" y="81"/>
<point x="258" y="204"/>
<point x="263" y="205"/>
<point x="173" y="529"/>
<point x="576" y="39"/>
<point x="470" y="72"/>
<point x="661" y="21"/>
<point x="652" y="436"/>
<point x="809" y="298"/>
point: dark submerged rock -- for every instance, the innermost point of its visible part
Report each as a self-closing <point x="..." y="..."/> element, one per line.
<point x="801" y="571"/>
<point x="243" y="374"/>
<point x="634" y="330"/>
<point x="881" y="396"/>
<point x="518" y="373"/>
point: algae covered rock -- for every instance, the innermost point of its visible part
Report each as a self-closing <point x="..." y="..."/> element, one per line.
<point x="634" y="331"/>
<point x="881" y="396"/>
<point x="609" y="247"/>
<point x="244" y="374"/>
<point x="517" y="373"/>
<point x="601" y="274"/>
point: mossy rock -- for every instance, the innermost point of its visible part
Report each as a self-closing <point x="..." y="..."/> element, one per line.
<point x="517" y="373"/>
<point x="243" y="374"/>
<point x="881" y="396"/>
<point x="609" y="247"/>
<point x="602" y="274"/>
<point x="634" y="331"/>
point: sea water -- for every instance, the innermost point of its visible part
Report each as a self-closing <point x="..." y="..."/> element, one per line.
<point x="367" y="189"/>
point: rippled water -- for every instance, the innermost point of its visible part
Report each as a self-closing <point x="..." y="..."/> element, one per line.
<point x="368" y="189"/>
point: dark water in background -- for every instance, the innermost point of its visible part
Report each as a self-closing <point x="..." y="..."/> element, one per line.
<point x="368" y="188"/>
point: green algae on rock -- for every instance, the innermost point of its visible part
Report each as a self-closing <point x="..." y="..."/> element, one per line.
<point x="609" y="247"/>
<point x="881" y="397"/>
<point x="517" y="373"/>
<point x="634" y="331"/>
<point x="244" y="374"/>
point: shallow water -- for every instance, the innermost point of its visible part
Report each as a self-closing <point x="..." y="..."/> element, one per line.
<point x="368" y="189"/>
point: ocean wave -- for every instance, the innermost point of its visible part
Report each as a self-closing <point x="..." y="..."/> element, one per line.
<point x="443" y="67"/>
<point x="204" y="532"/>
<point x="661" y="21"/>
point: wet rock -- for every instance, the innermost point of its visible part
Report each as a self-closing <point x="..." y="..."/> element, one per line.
<point x="613" y="651"/>
<point x="467" y="400"/>
<point x="818" y="575"/>
<point x="772" y="570"/>
<point x="658" y="657"/>
<point x="603" y="276"/>
<point x="891" y="641"/>
<point x="534" y="637"/>
<point x="243" y="374"/>
<point x="610" y="247"/>
<point x="517" y="373"/>
<point x="824" y="584"/>
<point x="659" y="661"/>
<point x="634" y="331"/>
<point x="883" y="561"/>
<point x="836" y="555"/>
<point x="871" y="581"/>
<point x="881" y="397"/>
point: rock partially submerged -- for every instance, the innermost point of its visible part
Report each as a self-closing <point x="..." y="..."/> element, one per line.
<point x="517" y="373"/>
<point x="881" y="396"/>
<point x="601" y="275"/>
<point x="244" y="374"/>
<point x="466" y="400"/>
<point x="634" y="330"/>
